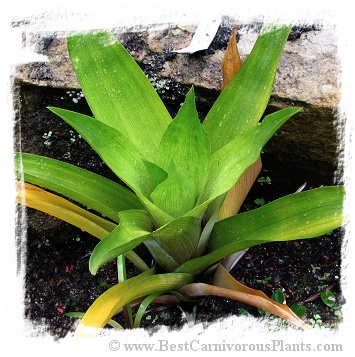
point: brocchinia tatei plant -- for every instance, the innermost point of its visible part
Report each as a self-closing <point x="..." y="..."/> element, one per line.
<point x="177" y="175"/>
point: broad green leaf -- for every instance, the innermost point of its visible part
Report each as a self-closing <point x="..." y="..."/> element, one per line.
<point x="156" y="174"/>
<point x="302" y="215"/>
<point x="110" y="302"/>
<point x="243" y="101"/>
<point x="184" y="153"/>
<point x="163" y="259"/>
<point x="298" y="310"/>
<point x="158" y="215"/>
<point x="116" y="150"/>
<point x="87" y="188"/>
<point x="177" y="194"/>
<point x="278" y="296"/>
<point x="185" y="144"/>
<point x="179" y="238"/>
<point x="328" y="298"/>
<point x="118" y="92"/>
<point x="134" y="227"/>
<point x="233" y="159"/>
<point x="41" y="200"/>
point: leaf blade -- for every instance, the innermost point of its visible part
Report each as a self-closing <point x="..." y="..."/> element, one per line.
<point x="107" y="304"/>
<point x="56" y="206"/>
<point x="184" y="153"/>
<point x="116" y="150"/>
<point x="134" y="228"/>
<point x="85" y="187"/>
<point x="113" y="83"/>
<point x="243" y="101"/>
<point x="181" y="232"/>
<point x="177" y="194"/>
<point x="226" y="286"/>
<point x="225" y="240"/>
<point x="295" y="216"/>
<point x="185" y="143"/>
<point x="227" y="167"/>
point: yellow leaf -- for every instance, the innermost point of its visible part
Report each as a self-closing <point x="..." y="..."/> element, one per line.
<point x="113" y="299"/>
<point x="56" y="206"/>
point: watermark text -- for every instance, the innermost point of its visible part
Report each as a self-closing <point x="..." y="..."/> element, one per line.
<point x="195" y="345"/>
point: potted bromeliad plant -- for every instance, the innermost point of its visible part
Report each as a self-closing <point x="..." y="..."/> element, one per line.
<point x="182" y="180"/>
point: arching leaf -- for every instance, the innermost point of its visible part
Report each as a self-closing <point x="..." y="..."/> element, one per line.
<point x="302" y="215"/>
<point x="232" y="160"/>
<point x="133" y="229"/>
<point x="116" y="150"/>
<point x="87" y="188"/>
<point x="224" y="285"/>
<point x="41" y="200"/>
<point x="113" y="299"/>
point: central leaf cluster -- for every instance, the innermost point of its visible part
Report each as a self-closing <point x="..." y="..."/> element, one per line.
<point x="180" y="169"/>
<point x="184" y="154"/>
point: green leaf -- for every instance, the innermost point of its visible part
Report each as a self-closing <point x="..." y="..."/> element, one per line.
<point x="134" y="228"/>
<point x="185" y="144"/>
<point x="87" y="188"/>
<point x="298" y="310"/>
<point x="328" y="298"/>
<point x="157" y="175"/>
<point x="180" y="237"/>
<point x="116" y="150"/>
<point x="158" y="215"/>
<point x="302" y="215"/>
<point x="143" y="307"/>
<point x="118" y="92"/>
<point x="234" y="158"/>
<point x="278" y="296"/>
<point x="242" y="103"/>
<point x="177" y="194"/>
<point x="184" y="153"/>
